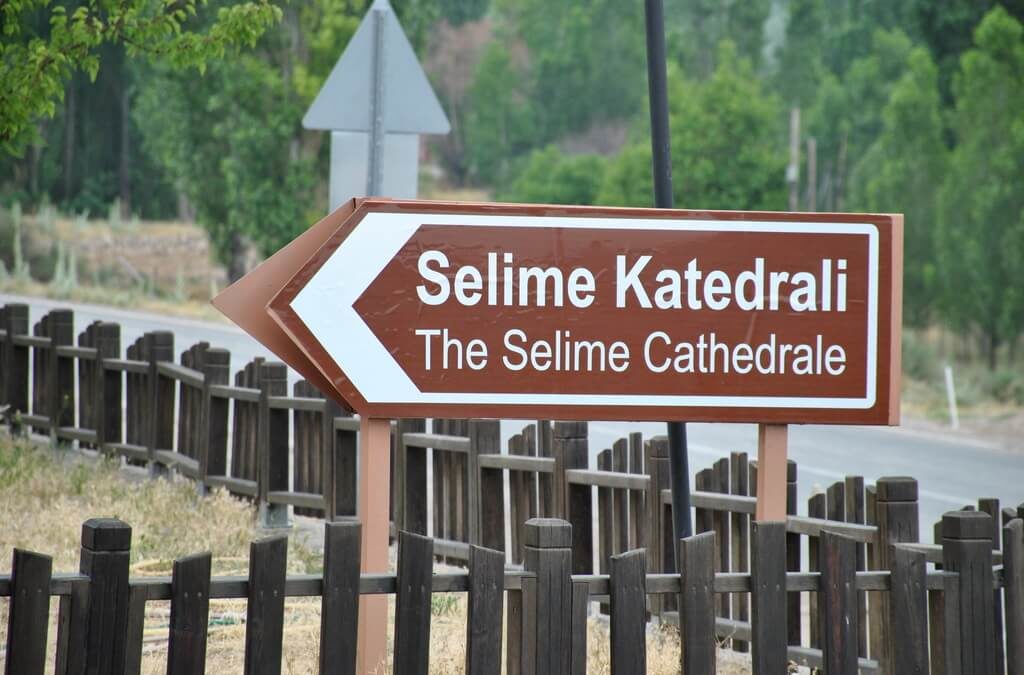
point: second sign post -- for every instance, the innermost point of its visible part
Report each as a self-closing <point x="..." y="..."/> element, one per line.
<point x="430" y="309"/>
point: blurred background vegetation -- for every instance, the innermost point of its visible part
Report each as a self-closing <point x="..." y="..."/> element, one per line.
<point x="913" y="106"/>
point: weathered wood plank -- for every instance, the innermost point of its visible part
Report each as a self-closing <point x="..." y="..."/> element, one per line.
<point x="1013" y="577"/>
<point x="909" y="611"/>
<point x="190" y="610"/>
<point x="265" y="612"/>
<point x="549" y="557"/>
<point x="837" y="605"/>
<point x="28" y="621"/>
<point x="967" y="550"/>
<point x="628" y="594"/>
<point x="578" y="632"/>
<point x="483" y="621"/>
<point x="697" y="603"/>
<point x="768" y="610"/>
<point x="740" y="544"/>
<point x="339" y="615"/>
<point x="412" y="604"/>
<point x="104" y="559"/>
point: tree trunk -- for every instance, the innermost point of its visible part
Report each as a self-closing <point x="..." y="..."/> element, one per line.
<point x="69" y="137"/>
<point x="240" y="255"/>
<point x="993" y="349"/>
<point x="125" y="185"/>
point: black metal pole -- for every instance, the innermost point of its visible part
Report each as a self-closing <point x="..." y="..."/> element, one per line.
<point x="662" y="164"/>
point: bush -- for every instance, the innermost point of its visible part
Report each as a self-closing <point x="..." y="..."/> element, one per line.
<point x="920" y="359"/>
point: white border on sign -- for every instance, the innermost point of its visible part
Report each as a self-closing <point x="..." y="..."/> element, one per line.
<point x="325" y="305"/>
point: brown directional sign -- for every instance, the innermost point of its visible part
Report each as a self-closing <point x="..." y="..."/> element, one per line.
<point x="484" y="310"/>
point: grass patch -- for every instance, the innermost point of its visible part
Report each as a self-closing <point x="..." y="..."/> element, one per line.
<point x="45" y="495"/>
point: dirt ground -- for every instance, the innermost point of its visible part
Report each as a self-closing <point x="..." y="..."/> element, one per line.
<point x="45" y="496"/>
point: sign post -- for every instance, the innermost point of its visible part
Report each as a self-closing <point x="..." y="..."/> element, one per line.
<point x="374" y="481"/>
<point x="661" y="164"/>
<point x="435" y="309"/>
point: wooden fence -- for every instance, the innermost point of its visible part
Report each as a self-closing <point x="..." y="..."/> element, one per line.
<point x="540" y="610"/>
<point x="254" y="439"/>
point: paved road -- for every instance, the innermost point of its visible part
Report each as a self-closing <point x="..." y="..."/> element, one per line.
<point x="952" y="471"/>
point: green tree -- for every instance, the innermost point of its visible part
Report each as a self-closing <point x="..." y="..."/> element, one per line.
<point x="800" y="65"/>
<point x="696" y="27"/>
<point x="44" y="46"/>
<point x="549" y="177"/>
<point x="458" y="12"/>
<point x="628" y="178"/>
<point x="981" y="224"/>
<point x="232" y="140"/>
<point x="726" y="144"/>
<point x="903" y="171"/>
<point x="727" y="150"/>
<point x="846" y="117"/>
<point x="947" y="28"/>
<point x="500" y="117"/>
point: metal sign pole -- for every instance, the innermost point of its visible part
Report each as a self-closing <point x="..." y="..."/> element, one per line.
<point x="375" y="165"/>
<point x="662" y="164"/>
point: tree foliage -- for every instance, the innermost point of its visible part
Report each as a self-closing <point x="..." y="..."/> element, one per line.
<point x="981" y="221"/>
<point x="44" y="46"/>
<point x="726" y="146"/>
<point x="902" y="172"/>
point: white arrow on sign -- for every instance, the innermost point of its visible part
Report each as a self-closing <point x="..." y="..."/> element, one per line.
<point x="326" y="305"/>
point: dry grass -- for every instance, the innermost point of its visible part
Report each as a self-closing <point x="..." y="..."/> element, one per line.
<point x="46" y="495"/>
<point x="133" y="299"/>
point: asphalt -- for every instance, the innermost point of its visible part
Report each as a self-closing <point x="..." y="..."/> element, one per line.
<point x="952" y="470"/>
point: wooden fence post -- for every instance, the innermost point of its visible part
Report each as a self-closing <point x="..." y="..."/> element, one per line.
<point x="896" y="515"/>
<point x="159" y="347"/>
<point x="967" y="550"/>
<point x="628" y="590"/>
<point x="412" y="604"/>
<point x="213" y="443"/>
<point x="190" y="612"/>
<point x="794" y="617"/>
<point x="106" y="405"/>
<point x="909" y="607"/>
<point x="1013" y="578"/>
<point x="837" y="610"/>
<point x="339" y="615"/>
<point x="570" y="443"/>
<point x="484" y="439"/>
<point x="41" y="363"/>
<point x="264" y="630"/>
<point x="855" y="514"/>
<point x="768" y="609"/>
<point x="620" y="514"/>
<point x="658" y="559"/>
<point x="105" y="549"/>
<point x="605" y="520"/>
<point x="548" y="555"/>
<point x="412" y="481"/>
<point x="487" y="493"/>
<point x="272" y="446"/>
<point x="545" y="481"/>
<point x="29" y="620"/>
<point x="61" y="372"/>
<point x="338" y="465"/>
<point x="637" y="524"/>
<point x="15" y="360"/>
<point x="697" y="604"/>
<point x="740" y="544"/>
<point x="483" y="621"/>
<point x="990" y="505"/>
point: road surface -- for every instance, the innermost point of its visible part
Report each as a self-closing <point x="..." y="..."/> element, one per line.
<point x="952" y="470"/>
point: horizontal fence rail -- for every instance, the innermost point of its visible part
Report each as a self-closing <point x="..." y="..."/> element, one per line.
<point x="289" y="450"/>
<point x="533" y="620"/>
